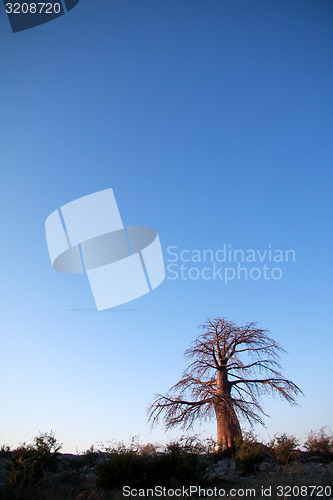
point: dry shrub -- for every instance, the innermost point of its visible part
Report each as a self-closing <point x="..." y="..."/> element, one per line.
<point x="319" y="443"/>
<point x="284" y="447"/>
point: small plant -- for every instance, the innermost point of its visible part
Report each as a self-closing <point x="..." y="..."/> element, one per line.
<point x="319" y="443"/>
<point x="5" y="450"/>
<point x="249" y="453"/>
<point x="284" y="447"/>
<point x="121" y="447"/>
<point x="209" y="445"/>
<point x="89" y="457"/>
<point x="187" y="444"/>
<point x="148" y="449"/>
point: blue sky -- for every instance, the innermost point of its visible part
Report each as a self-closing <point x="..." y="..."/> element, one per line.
<point x="212" y="122"/>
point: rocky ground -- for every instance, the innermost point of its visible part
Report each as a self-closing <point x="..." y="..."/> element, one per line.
<point x="76" y="475"/>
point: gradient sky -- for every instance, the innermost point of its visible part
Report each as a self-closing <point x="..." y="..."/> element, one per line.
<point x="212" y="122"/>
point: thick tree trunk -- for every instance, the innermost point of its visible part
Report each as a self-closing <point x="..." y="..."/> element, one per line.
<point x="228" y="428"/>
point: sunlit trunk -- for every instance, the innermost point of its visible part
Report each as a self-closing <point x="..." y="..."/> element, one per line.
<point x="228" y="428"/>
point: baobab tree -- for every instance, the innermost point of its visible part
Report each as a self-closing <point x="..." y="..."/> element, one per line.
<point x="232" y="367"/>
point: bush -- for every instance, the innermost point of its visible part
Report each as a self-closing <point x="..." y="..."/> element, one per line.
<point x="46" y="444"/>
<point x="148" y="449"/>
<point x="30" y="463"/>
<point x="187" y="444"/>
<point x="89" y="458"/>
<point x="249" y="453"/>
<point x="179" y="465"/>
<point x="144" y="467"/>
<point x="120" y="469"/>
<point x="320" y="443"/>
<point x="283" y="448"/>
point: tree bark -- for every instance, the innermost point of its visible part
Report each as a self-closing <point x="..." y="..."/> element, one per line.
<point x="228" y="428"/>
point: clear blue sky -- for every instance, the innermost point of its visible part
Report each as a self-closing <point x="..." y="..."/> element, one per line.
<point x="212" y="122"/>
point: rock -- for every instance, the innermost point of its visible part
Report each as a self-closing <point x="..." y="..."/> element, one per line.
<point x="174" y="483"/>
<point x="293" y="468"/>
<point x="315" y="458"/>
<point x="265" y="467"/>
<point x="226" y="466"/>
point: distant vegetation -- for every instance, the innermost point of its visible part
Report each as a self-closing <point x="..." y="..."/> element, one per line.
<point x="40" y="471"/>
